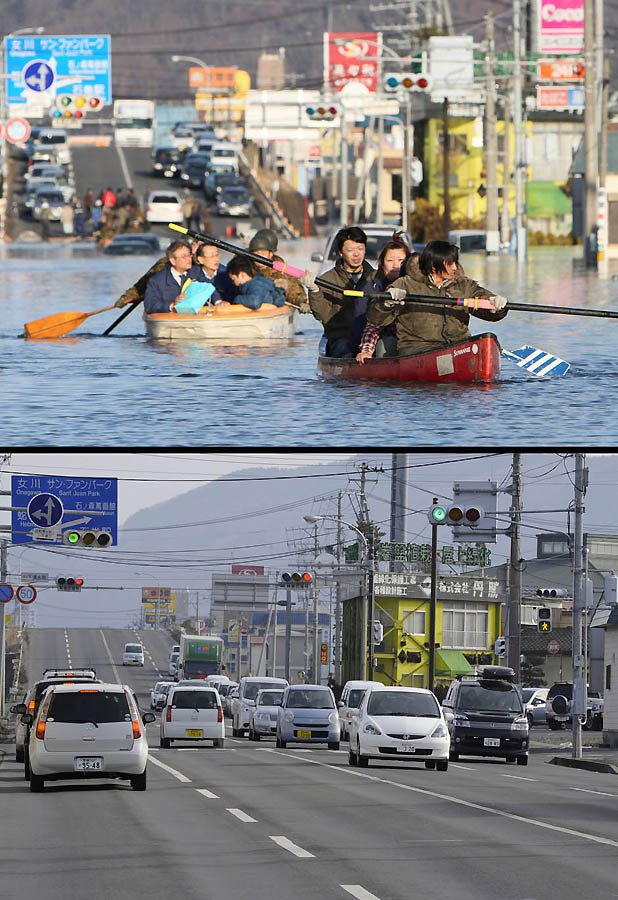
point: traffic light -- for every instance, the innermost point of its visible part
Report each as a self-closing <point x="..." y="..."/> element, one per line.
<point x="500" y="646"/>
<point x="378" y="632"/>
<point x="69" y="584"/>
<point x="552" y="592"/>
<point x="544" y="619"/>
<point x="442" y="514"/>
<point x="413" y="81"/>
<point x="296" y="579"/>
<point x="481" y="525"/>
<point x="328" y="113"/>
<point x="74" y="106"/>
<point x="87" y="537"/>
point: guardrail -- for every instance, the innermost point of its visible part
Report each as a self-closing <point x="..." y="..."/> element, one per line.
<point x="271" y="204"/>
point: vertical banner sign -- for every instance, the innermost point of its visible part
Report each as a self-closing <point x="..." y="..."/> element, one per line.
<point x="561" y="26"/>
<point x="352" y="56"/>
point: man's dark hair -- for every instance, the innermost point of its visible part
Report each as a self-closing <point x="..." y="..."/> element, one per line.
<point x="352" y="233"/>
<point x="174" y="247"/>
<point x="240" y="264"/>
<point x="435" y="255"/>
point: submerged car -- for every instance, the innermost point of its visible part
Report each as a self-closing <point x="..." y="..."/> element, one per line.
<point x="133" y="245"/>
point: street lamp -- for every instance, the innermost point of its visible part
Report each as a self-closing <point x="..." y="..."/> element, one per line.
<point x="369" y="566"/>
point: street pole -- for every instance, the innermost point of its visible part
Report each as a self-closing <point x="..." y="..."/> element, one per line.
<point x="316" y="636"/>
<point x="446" y="169"/>
<point x="372" y="604"/>
<point x="275" y="637"/>
<point x="3" y="576"/>
<point x="519" y="164"/>
<point x="515" y="571"/>
<point x="492" y="238"/>
<point x="432" y="605"/>
<point x="288" y="630"/>
<point x="344" y="170"/>
<point x="579" y="702"/>
<point x="506" y="172"/>
<point x="338" y="598"/>
<point x="398" y="504"/>
<point x="591" y="161"/>
<point x="405" y="169"/>
<point x="380" y="173"/>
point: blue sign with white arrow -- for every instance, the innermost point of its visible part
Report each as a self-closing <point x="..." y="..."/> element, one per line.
<point x="61" y="502"/>
<point x="38" y="75"/>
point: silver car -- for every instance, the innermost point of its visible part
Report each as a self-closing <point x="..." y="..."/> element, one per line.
<point x="534" y="703"/>
<point x="263" y="720"/>
<point x="308" y="715"/>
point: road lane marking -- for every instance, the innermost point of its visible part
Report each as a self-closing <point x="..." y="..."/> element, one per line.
<point x="359" y="892"/>
<point x="124" y="167"/>
<point x="208" y="794"/>
<point x="66" y="641"/>
<point x="519" y="777"/>
<point x="169" y="769"/>
<point x="450" y="799"/>
<point x="457" y="766"/>
<point x="287" y="844"/>
<point x="243" y="816"/>
<point x="602" y="793"/>
<point x="111" y="658"/>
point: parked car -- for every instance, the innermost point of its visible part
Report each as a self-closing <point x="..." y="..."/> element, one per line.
<point x="193" y="170"/>
<point x="349" y="702"/>
<point x="534" y="702"/>
<point x="166" y="161"/>
<point x="232" y="693"/>
<point x="193" y="712"/>
<point x="559" y="702"/>
<point x="486" y="717"/>
<point x="308" y="715"/>
<point x="172" y="666"/>
<point x="31" y="194"/>
<point x="215" y="182"/>
<point x="133" y="245"/>
<point x="377" y="236"/>
<point x="158" y="694"/>
<point x="57" y="139"/>
<point x="46" y="171"/>
<point x="234" y="201"/>
<point x="164" y="206"/>
<point x="399" y="723"/>
<point x="88" y="731"/>
<point x="263" y="719"/>
<point x="245" y="701"/>
<point x="133" y="655"/>
<point x="469" y="240"/>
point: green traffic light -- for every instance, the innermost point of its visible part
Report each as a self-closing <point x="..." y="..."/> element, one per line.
<point x="73" y="537"/>
<point x="438" y="514"/>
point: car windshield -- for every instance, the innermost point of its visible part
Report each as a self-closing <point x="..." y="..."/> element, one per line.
<point x="53" y="196"/>
<point x="133" y="648"/>
<point x="251" y="689"/>
<point x="89" y="705"/>
<point x="299" y="699"/>
<point x="194" y="700"/>
<point x="271" y="698"/>
<point x="490" y="697"/>
<point x="402" y="703"/>
<point x="355" y="697"/>
<point x="527" y="694"/>
<point x="164" y="198"/>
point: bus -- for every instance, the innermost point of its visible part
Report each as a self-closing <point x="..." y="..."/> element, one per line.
<point x="134" y="123"/>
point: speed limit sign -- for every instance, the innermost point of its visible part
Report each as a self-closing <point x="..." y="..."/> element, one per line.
<point x="26" y="593"/>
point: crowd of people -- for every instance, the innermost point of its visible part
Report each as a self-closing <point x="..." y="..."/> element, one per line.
<point x="376" y="319"/>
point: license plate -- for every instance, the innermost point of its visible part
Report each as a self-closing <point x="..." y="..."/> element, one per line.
<point x="194" y="732"/>
<point x="491" y="742"/>
<point x="88" y="764"/>
<point x="407" y="748"/>
<point x="303" y="734"/>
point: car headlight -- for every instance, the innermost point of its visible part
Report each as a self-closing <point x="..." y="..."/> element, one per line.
<point x="520" y="725"/>
<point x="288" y="716"/>
<point x="461" y="721"/>
<point x="440" y="731"/>
<point x="333" y="718"/>
<point x="371" y="728"/>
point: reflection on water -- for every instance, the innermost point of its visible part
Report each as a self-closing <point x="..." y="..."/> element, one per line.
<point x="126" y="390"/>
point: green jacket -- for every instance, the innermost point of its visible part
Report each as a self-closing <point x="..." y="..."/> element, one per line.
<point x="138" y="291"/>
<point x="423" y="327"/>
<point x="292" y="288"/>
<point x="335" y="312"/>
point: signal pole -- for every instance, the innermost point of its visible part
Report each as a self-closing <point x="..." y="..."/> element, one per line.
<point x="579" y="701"/>
<point x="492" y="241"/>
<point x="591" y="160"/>
<point x="432" y="604"/>
<point x="3" y="577"/>
<point x="513" y="643"/>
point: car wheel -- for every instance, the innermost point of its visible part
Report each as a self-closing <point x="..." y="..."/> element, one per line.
<point x="554" y="726"/>
<point x="442" y="765"/>
<point x="453" y="756"/>
<point x="234" y="732"/>
<point x="218" y="743"/>
<point x="430" y="764"/>
<point x="510" y="758"/>
<point x="281" y="744"/>
<point x="164" y="742"/>
<point x="26" y="765"/>
<point x="352" y="758"/>
<point x="19" y="755"/>
<point x="522" y="760"/>
<point x="333" y="745"/>
<point x="530" y="720"/>
<point x="588" y="725"/>
<point x="363" y="761"/>
<point x="36" y="783"/>
<point x="138" y="782"/>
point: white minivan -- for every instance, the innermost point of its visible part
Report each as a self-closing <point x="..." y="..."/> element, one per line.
<point x="192" y="713"/>
<point x="133" y="655"/>
<point x="223" y="155"/>
<point x="349" y="702"/>
<point x="245" y="702"/>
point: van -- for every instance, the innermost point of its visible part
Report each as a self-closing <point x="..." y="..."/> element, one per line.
<point x="133" y="655"/>
<point x="223" y="155"/>
<point x="55" y="138"/>
<point x="349" y="702"/>
<point x="216" y="680"/>
<point x="245" y="701"/>
<point x="469" y="240"/>
<point x="192" y="713"/>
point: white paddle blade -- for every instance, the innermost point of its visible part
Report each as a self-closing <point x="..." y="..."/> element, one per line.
<point x="538" y="362"/>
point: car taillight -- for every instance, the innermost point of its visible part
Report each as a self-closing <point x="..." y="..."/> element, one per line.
<point x="31" y="706"/>
<point x="219" y="714"/>
<point x="168" y="714"/>
<point x="137" y="731"/>
<point x="40" y="729"/>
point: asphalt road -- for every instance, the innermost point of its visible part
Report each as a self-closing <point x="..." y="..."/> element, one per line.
<point x="251" y="822"/>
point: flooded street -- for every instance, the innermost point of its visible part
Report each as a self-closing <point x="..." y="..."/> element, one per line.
<point x="127" y="391"/>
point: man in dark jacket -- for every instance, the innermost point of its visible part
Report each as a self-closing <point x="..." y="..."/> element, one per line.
<point x="264" y="243"/>
<point x="165" y="286"/>
<point x="343" y="318"/>
<point x="252" y="289"/>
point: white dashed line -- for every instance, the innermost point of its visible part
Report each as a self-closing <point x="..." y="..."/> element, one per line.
<point x="169" y="769"/>
<point x="111" y="658"/>
<point x="457" y="766"/>
<point x="208" y="794"/>
<point x="359" y="892"/>
<point x="243" y="816"/>
<point x="287" y="844"/>
<point x="601" y="793"/>
<point x="519" y="777"/>
<point x="66" y="641"/>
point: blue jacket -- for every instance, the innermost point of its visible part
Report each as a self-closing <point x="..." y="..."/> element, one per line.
<point x="225" y="287"/>
<point x="162" y="288"/>
<point x="257" y="291"/>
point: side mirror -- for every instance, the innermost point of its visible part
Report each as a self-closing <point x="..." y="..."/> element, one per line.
<point x="317" y="257"/>
<point x="340" y="704"/>
<point x="148" y="717"/>
<point x="448" y="715"/>
<point x="27" y="719"/>
<point x="18" y="708"/>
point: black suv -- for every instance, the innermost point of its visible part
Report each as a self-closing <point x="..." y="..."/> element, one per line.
<point x="486" y="716"/>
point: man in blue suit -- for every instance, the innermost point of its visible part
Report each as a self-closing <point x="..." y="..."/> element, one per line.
<point x="165" y="286"/>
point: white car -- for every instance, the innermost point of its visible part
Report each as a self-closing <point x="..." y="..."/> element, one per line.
<point x="133" y="655"/>
<point x="193" y="713"/>
<point x="172" y="666"/>
<point x="88" y="731"/>
<point x="164" y="206"/>
<point x="263" y="720"/>
<point x="349" y="702"/>
<point x="158" y="694"/>
<point x="245" y="701"/>
<point x="399" y="723"/>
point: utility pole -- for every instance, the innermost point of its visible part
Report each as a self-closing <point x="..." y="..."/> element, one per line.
<point x="492" y="238"/>
<point x="288" y="631"/>
<point x="405" y="166"/>
<point x="591" y="161"/>
<point x="519" y="163"/>
<point x="338" y="588"/>
<point x="316" y="635"/>
<point x="398" y="503"/>
<point x="446" y="169"/>
<point x="3" y="576"/>
<point x="506" y="172"/>
<point x="380" y="172"/>
<point x="432" y="604"/>
<point x="344" y="170"/>
<point x="514" y="617"/>
<point x="579" y="702"/>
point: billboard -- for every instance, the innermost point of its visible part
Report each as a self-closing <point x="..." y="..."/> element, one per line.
<point x="158" y="605"/>
<point x="352" y="56"/>
<point x="572" y="98"/>
<point x="561" y="26"/>
<point x="247" y="570"/>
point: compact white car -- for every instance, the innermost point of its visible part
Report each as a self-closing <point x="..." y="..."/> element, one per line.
<point x="245" y="701"/>
<point x="133" y="655"/>
<point x="158" y="693"/>
<point x="172" y="666"/>
<point x="88" y="731"/>
<point x="164" y="206"/>
<point x="263" y="719"/>
<point x="399" y="723"/>
<point x="351" y="696"/>
<point x="193" y="713"/>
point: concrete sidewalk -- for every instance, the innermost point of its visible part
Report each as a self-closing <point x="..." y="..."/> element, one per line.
<point x="595" y="757"/>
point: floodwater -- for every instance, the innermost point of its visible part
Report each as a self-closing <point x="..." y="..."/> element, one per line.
<point x="126" y="391"/>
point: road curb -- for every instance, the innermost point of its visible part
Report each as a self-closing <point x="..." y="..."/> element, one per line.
<point x="591" y="765"/>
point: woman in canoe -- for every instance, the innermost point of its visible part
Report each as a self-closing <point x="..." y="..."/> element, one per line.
<point x="421" y="327"/>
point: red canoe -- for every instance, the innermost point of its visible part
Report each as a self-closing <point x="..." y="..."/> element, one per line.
<point x="475" y="360"/>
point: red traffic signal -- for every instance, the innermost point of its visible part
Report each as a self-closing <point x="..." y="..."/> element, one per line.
<point x="296" y="579"/>
<point x="69" y="583"/>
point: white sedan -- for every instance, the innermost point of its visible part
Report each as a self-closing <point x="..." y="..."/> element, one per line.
<point x="164" y="206"/>
<point x="399" y="723"/>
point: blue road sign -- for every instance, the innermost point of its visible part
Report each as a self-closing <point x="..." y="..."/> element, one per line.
<point x="6" y="593"/>
<point x="45" y="510"/>
<point x="79" y="63"/>
<point x="86" y="502"/>
<point x="38" y="75"/>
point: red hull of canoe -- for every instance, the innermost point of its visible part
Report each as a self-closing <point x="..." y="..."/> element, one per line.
<point x="475" y="360"/>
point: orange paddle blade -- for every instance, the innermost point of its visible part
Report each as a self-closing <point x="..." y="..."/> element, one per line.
<point x="59" y="324"/>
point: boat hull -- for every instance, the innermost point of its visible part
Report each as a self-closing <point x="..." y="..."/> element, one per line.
<point x="474" y="360"/>
<point x="235" y="322"/>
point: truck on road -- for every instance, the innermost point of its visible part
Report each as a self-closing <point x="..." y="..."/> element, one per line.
<point x="134" y="123"/>
<point x="200" y="656"/>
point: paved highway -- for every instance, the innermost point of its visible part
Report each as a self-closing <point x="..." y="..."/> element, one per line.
<point x="252" y="822"/>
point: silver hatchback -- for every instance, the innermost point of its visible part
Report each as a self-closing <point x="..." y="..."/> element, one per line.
<point x="308" y="714"/>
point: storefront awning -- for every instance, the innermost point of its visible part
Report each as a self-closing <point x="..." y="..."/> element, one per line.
<point x="544" y="198"/>
<point x="452" y="663"/>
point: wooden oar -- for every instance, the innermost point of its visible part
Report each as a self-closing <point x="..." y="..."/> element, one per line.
<point x="59" y="324"/>
<point x="122" y="316"/>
